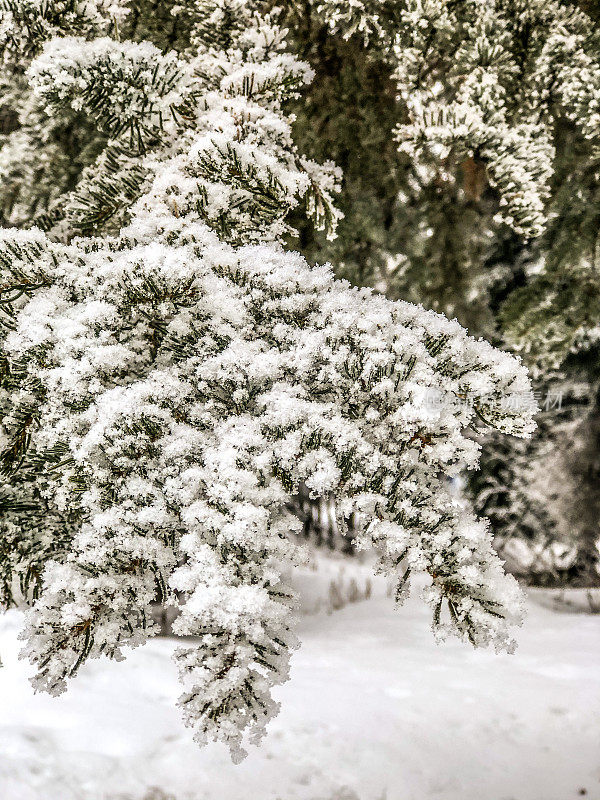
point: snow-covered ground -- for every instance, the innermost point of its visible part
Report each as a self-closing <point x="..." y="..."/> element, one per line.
<point x="375" y="710"/>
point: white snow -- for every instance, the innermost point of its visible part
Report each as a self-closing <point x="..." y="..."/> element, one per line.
<point x="375" y="710"/>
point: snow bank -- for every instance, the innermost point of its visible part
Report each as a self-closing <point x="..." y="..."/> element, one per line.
<point x="374" y="711"/>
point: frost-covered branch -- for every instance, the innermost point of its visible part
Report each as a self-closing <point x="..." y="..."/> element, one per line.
<point x="186" y="375"/>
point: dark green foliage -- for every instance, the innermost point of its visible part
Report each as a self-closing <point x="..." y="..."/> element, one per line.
<point x="560" y="305"/>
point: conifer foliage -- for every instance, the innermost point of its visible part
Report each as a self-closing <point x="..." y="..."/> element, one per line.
<point x="171" y="374"/>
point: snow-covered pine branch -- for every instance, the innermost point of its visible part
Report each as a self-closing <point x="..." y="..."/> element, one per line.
<point x="166" y="389"/>
<point x="26" y="24"/>
<point x="195" y="385"/>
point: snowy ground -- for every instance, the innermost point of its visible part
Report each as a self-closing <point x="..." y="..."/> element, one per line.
<point x="374" y="711"/>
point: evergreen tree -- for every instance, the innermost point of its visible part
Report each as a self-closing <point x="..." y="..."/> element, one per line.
<point x="171" y="374"/>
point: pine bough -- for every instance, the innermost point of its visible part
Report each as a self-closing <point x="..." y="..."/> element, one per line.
<point x="167" y="385"/>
